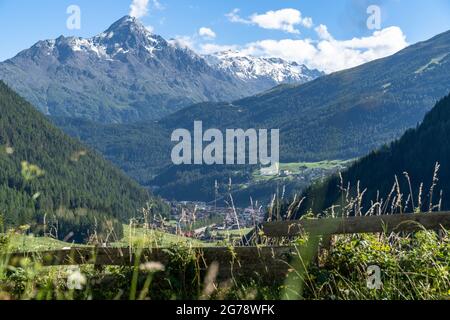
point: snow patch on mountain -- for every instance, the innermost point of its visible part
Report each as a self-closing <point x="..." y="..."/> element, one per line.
<point x="250" y="68"/>
<point x="125" y="36"/>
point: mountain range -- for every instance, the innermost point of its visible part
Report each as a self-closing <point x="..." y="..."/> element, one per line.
<point x="344" y="115"/>
<point x="128" y="74"/>
<point x="263" y="73"/>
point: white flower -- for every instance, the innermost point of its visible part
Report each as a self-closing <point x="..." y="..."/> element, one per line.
<point x="76" y="280"/>
<point x="152" y="267"/>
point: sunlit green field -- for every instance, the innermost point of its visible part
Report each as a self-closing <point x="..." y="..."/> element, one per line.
<point x="232" y="233"/>
<point x="133" y="237"/>
<point x="27" y="243"/>
<point x="152" y="238"/>
<point x="296" y="168"/>
<point x="327" y="164"/>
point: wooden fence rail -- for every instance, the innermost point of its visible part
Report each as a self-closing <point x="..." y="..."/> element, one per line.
<point x="266" y="263"/>
<point x="355" y="225"/>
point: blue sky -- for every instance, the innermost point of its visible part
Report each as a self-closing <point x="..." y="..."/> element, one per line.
<point x="24" y="22"/>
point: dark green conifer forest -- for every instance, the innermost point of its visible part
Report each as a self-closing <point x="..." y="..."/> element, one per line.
<point x="49" y="177"/>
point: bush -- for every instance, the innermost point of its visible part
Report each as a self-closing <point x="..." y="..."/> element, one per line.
<point x="412" y="267"/>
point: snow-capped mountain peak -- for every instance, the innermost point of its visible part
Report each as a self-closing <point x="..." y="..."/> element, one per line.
<point x="128" y="73"/>
<point x="125" y="36"/>
<point x="251" y="68"/>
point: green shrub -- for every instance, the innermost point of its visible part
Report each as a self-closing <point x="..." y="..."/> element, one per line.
<point x="412" y="267"/>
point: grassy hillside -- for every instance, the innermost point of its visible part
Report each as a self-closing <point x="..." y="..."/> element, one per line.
<point x="413" y="268"/>
<point x="147" y="238"/>
<point x="46" y="173"/>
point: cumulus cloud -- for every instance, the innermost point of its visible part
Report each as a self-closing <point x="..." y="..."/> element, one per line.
<point x="326" y="53"/>
<point x="284" y="20"/>
<point x="331" y="55"/>
<point x="322" y="32"/>
<point x="206" y="33"/>
<point x="234" y="17"/>
<point x="183" y="42"/>
<point x="140" y="8"/>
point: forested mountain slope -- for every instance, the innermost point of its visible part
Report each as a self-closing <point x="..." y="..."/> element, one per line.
<point x="43" y="171"/>
<point x="416" y="154"/>
<point x="343" y="115"/>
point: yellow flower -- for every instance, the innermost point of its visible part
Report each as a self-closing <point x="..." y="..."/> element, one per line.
<point x="31" y="171"/>
<point x="380" y="247"/>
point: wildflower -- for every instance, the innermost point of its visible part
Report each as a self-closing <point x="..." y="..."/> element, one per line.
<point x="9" y="150"/>
<point x="76" y="280"/>
<point x="152" y="267"/>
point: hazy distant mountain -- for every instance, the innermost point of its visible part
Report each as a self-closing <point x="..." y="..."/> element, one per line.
<point x="262" y="72"/>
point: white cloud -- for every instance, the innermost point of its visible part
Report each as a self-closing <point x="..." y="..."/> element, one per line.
<point x="322" y="52"/>
<point x="322" y="32"/>
<point x="206" y="33"/>
<point x="284" y="19"/>
<point x="327" y="54"/>
<point x="150" y="28"/>
<point x="157" y="5"/>
<point x="183" y="42"/>
<point x="140" y="8"/>
<point x="209" y="48"/>
<point x="234" y="17"/>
